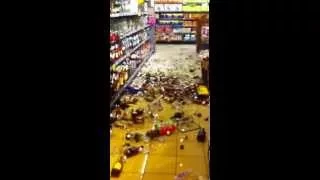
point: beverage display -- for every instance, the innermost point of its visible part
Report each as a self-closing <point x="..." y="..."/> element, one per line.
<point x="121" y="47"/>
<point x="173" y="17"/>
<point x="121" y="72"/>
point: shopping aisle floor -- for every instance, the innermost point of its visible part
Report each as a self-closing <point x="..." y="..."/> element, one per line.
<point x="165" y="158"/>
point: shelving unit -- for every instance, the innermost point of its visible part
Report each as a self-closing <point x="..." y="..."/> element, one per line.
<point x="201" y="42"/>
<point x="183" y="19"/>
<point x="127" y="55"/>
<point x="181" y="12"/>
<point x="140" y="11"/>
<point x="117" y="15"/>
<point x="185" y="7"/>
<point x="116" y="97"/>
<point x="135" y="31"/>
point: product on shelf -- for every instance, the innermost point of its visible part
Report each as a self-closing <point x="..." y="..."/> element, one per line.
<point x="120" y="48"/>
<point x="127" y="6"/>
<point x="168" y="7"/>
<point x="168" y="1"/>
<point x="119" y="75"/>
<point x="190" y="23"/>
<point x="131" y="40"/>
<point x="171" y="16"/>
<point x="195" y="1"/>
<point x="120" y="6"/>
<point x="205" y="33"/>
<point x="195" y="7"/>
<point x="122" y="72"/>
<point x="126" y="26"/>
<point x="117" y="50"/>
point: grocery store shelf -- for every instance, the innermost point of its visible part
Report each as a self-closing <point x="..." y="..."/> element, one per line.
<point x="177" y="32"/>
<point x="135" y="31"/>
<point x="116" y="97"/>
<point x="127" y="55"/>
<point x="116" y="15"/>
<point x="176" y="26"/>
<point x="169" y="12"/>
<point x="182" y="11"/>
<point x="172" y="25"/>
<point x="173" y="19"/>
<point x="168" y="3"/>
<point x="184" y="32"/>
<point x="190" y="26"/>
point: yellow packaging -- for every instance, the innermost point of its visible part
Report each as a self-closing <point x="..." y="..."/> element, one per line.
<point x="118" y="166"/>
<point x="202" y="90"/>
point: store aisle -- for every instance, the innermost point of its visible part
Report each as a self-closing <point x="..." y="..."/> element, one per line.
<point x="165" y="158"/>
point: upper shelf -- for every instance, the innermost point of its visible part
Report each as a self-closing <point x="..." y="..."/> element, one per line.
<point x="116" y="15"/>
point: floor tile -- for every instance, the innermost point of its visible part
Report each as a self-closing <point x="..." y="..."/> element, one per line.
<point x="134" y="164"/>
<point x="165" y="148"/>
<point x="191" y="149"/>
<point x="117" y="134"/>
<point x="197" y="178"/>
<point x="196" y="164"/>
<point x="158" y="176"/>
<point x="116" y="146"/>
<point x="161" y="164"/>
<point x="127" y="176"/>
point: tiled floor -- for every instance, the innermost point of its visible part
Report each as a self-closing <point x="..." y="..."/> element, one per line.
<point x="166" y="159"/>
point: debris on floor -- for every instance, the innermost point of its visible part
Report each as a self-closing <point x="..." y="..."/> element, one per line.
<point x="167" y="95"/>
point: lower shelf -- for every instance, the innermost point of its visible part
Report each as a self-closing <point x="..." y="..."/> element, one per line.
<point x="116" y="96"/>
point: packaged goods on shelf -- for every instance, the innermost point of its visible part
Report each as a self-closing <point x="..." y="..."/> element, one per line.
<point x="171" y="22"/>
<point x="195" y="1"/>
<point x="151" y="20"/>
<point x="192" y="8"/>
<point x="205" y="33"/>
<point x="193" y="15"/>
<point x="168" y="7"/>
<point x="190" y="23"/>
<point x="183" y="30"/>
<point x="119" y="76"/>
<point x="126" y="25"/>
<point x="172" y="7"/>
<point x="121" y="48"/>
<point x="171" y="15"/>
<point x="159" y="7"/>
<point x="168" y="1"/>
<point x="121" y="73"/>
<point x="123" y="6"/>
<point x="193" y="37"/>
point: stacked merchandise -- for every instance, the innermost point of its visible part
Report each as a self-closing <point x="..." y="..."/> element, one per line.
<point x="205" y="33"/>
<point x="177" y="19"/>
<point x="205" y="37"/>
<point x="204" y="56"/>
<point x="120" y="8"/>
<point x="131" y="42"/>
